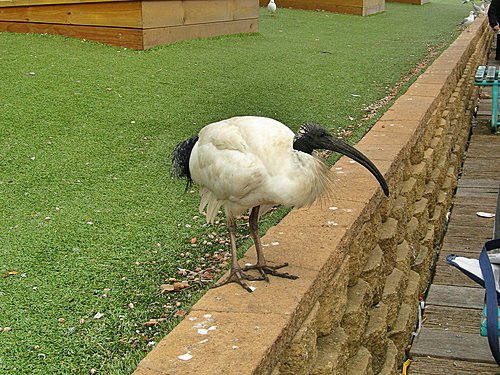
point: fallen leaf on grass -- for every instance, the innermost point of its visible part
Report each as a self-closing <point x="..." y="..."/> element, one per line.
<point x="9" y="273"/>
<point x="175" y="287"/>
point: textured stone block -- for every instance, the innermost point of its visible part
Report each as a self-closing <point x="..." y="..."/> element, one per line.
<point x="419" y="171"/>
<point x="408" y="189"/>
<point x="428" y="240"/>
<point x="332" y="354"/>
<point x="430" y="193"/>
<point x="420" y="211"/>
<point x="403" y="328"/>
<point x="400" y="210"/>
<point x="438" y="219"/>
<point x="375" y="336"/>
<point x="421" y="260"/>
<point x="374" y="273"/>
<point x="333" y="301"/>
<point x="391" y="362"/>
<point x="422" y="266"/>
<point x="301" y="354"/>
<point x="361" y="363"/>
<point x="429" y="158"/>
<point x="388" y="240"/>
<point x="412" y="234"/>
<point x="358" y="253"/>
<point x="356" y="314"/>
<point x="404" y="257"/>
<point x="412" y="292"/>
<point x="395" y="286"/>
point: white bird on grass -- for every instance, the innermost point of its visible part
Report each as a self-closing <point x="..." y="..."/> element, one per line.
<point x="254" y="163"/>
<point x="467" y="21"/>
<point x="271" y="6"/>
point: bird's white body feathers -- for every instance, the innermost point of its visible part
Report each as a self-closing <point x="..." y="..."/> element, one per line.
<point x="243" y="162"/>
<point x="468" y="20"/>
<point x="271" y="6"/>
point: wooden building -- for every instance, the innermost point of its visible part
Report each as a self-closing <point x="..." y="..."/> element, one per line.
<point x="138" y="24"/>
<point x="356" y="7"/>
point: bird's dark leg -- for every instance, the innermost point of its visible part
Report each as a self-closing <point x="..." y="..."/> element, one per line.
<point x="261" y="264"/>
<point x="236" y="274"/>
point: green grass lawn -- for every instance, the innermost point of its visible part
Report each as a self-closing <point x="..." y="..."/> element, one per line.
<point x="91" y="222"/>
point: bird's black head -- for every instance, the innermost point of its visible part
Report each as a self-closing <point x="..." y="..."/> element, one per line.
<point x="313" y="137"/>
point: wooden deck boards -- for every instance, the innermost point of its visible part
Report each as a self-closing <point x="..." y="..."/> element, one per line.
<point x="449" y="342"/>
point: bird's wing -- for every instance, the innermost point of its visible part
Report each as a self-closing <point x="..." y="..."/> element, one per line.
<point x="244" y="162"/>
<point x="230" y="163"/>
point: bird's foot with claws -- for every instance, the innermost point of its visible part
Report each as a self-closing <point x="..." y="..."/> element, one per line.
<point x="238" y="276"/>
<point x="270" y="270"/>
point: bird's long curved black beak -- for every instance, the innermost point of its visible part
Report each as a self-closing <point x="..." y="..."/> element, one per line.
<point x="346" y="149"/>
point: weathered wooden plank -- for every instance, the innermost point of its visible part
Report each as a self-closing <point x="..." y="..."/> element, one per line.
<point x="496" y="226"/>
<point x="10" y="3"/>
<point x="484" y="150"/>
<point x="456" y="245"/>
<point x="469" y="182"/>
<point x="162" y="13"/>
<point x="245" y="9"/>
<point x="356" y="7"/>
<point x="316" y="4"/>
<point x="155" y="36"/>
<point x="489" y="138"/>
<point x="449" y="275"/>
<point x="480" y="233"/>
<point x="482" y="164"/>
<point x="115" y="14"/>
<point x="414" y="2"/>
<point x="166" y="13"/>
<point x="202" y="11"/>
<point x="131" y="38"/>
<point x="433" y="366"/>
<point x="475" y="201"/>
<point x="455" y="296"/>
<point x="453" y="319"/>
<point x="474" y="221"/>
<point x="452" y="345"/>
<point x="467" y="232"/>
<point x="465" y="208"/>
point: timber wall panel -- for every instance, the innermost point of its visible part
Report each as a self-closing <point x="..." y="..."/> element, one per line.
<point x="356" y="7"/>
<point x="166" y="35"/>
<point x="154" y="21"/>
<point x="12" y="3"/>
<point x="131" y="38"/>
<point x="162" y="13"/>
<point x="114" y="14"/>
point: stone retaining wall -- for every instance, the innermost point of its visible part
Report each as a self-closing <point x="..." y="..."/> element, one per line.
<point x="363" y="259"/>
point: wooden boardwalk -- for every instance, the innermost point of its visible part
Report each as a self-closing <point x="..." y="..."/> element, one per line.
<point x="449" y="342"/>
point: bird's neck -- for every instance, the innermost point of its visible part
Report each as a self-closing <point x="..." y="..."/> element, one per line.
<point x="303" y="144"/>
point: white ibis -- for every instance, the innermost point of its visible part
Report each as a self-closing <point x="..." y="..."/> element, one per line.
<point x="255" y="163"/>
<point x="271" y="6"/>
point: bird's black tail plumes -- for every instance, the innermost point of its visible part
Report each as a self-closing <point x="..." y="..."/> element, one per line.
<point x="180" y="160"/>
